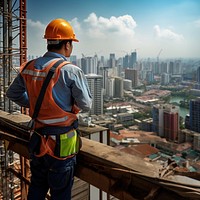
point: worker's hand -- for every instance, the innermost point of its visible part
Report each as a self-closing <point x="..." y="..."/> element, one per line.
<point x="75" y="109"/>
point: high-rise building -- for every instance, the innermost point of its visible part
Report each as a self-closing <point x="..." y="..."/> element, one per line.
<point x="110" y="87"/>
<point x="163" y="67"/>
<point x="171" y="67"/>
<point x="112" y="61"/>
<point x="195" y="115"/>
<point x="157" y="115"/>
<point x="126" y="61"/>
<point x="119" y="87"/>
<point x="132" y="74"/>
<point x="171" y="122"/>
<point x="95" y="83"/>
<point x="175" y="67"/>
<point x="89" y="65"/>
<point x="149" y="77"/>
<point x="198" y="75"/>
<point x="165" y="78"/>
<point x="132" y="59"/>
<point x="166" y="121"/>
<point x="73" y="59"/>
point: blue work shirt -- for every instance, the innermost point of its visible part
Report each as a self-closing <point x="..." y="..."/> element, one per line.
<point x="71" y="87"/>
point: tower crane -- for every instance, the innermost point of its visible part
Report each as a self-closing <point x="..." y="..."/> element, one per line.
<point x="159" y="55"/>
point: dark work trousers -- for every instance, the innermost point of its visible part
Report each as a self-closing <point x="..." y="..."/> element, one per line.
<point x="50" y="173"/>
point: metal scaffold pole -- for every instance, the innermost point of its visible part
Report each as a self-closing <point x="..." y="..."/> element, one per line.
<point x="13" y="52"/>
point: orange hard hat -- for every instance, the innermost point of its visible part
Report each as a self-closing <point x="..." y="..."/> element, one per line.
<point x="59" y="29"/>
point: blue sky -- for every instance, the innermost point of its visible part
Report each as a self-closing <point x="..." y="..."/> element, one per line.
<point x="120" y="27"/>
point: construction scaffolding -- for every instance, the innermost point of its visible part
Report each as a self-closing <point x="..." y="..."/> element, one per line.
<point x="13" y="52"/>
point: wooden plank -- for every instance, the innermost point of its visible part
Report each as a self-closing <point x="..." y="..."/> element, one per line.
<point x="114" y="158"/>
<point x="117" y="173"/>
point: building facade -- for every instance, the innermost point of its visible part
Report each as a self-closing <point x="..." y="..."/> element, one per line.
<point x="95" y="83"/>
<point x="195" y="115"/>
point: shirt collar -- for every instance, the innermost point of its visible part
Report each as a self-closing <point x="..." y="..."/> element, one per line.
<point x="54" y="55"/>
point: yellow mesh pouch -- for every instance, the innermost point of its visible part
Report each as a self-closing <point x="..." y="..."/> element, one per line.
<point x="68" y="143"/>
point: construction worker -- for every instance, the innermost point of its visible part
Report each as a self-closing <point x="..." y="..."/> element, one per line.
<point x="54" y="142"/>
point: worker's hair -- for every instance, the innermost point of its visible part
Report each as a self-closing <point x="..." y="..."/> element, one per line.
<point x="58" y="46"/>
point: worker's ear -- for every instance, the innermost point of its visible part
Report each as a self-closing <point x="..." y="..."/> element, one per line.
<point x="67" y="46"/>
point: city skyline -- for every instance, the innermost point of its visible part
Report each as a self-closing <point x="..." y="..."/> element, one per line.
<point x="171" y="28"/>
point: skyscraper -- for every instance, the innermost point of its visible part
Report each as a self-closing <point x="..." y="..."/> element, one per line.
<point x="171" y="122"/>
<point x="125" y="61"/>
<point x="89" y="65"/>
<point x="110" y="87"/>
<point x="165" y="78"/>
<point x="132" y="75"/>
<point x="166" y="121"/>
<point x="119" y="87"/>
<point x="133" y="59"/>
<point x="195" y="115"/>
<point x="112" y="61"/>
<point x="95" y="83"/>
<point x="198" y="75"/>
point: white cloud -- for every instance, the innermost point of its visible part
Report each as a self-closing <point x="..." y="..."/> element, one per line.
<point x="75" y="24"/>
<point x="197" y="23"/>
<point x="36" y="43"/>
<point x="102" y="27"/>
<point x="117" y="35"/>
<point x="36" y="27"/>
<point x="167" y="34"/>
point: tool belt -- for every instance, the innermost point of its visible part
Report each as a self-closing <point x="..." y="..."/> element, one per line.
<point x="60" y="145"/>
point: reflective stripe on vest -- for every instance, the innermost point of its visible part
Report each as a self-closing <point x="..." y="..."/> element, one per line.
<point x="34" y="73"/>
<point x="52" y="121"/>
<point x="50" y="112"/>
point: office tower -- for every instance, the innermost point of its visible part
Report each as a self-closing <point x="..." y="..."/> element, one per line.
<point x="95" y="83"/>
<point x="166" y="121"/>
<point x="149" y="77"/>
<point x="165" y="78"/>
<point x="171" y="67"/>
<point x="175" y="68"/>
<point x="195" y="115"/>
<point x="157" y="115"/>
<point x="110" y="87"/>
<point x="105" y="76"/>
<point x="89" y="65"/>
<point x="132" y="75"/>
<point x="84" y="66"/>
<point x="163" y="67"/>
<point x="73" y="59"/>
<point x="156" y="68"/>
<point x="119" y="65"/>
<point x="112" y="61"/>
<point x="198" y="75"/>
<point x="125" y="61"/>
<point x="132" y="59"/>
<point x="119" y="87"/>
<point x="171" y="122"/>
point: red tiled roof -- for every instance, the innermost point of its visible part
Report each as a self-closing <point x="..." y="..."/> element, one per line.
<point x="141" y="149"/>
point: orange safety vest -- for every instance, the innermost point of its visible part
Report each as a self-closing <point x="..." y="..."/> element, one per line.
<point x="50" y="113"/>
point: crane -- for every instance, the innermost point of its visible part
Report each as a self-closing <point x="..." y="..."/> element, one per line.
<point x="159" y="55"/>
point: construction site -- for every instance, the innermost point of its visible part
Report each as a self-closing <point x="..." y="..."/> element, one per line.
<point x="103" y="172"/>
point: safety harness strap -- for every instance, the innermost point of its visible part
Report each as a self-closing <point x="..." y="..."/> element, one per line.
<point x="43" y="89"/>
